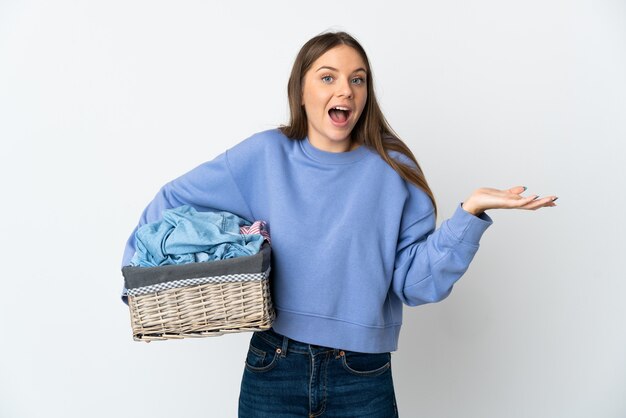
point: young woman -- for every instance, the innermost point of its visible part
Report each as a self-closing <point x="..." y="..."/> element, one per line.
<point x="352" y="224"/>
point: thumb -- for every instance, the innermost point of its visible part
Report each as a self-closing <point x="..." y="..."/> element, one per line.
<point x="517" y="189"/>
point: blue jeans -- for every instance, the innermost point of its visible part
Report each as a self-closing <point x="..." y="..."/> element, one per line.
<point x="284" y="378"/>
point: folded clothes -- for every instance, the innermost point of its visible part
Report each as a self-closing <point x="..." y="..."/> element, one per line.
<point x="185" y="235"/>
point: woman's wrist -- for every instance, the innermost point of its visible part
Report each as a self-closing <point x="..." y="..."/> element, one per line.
<point x="469" y="207"/>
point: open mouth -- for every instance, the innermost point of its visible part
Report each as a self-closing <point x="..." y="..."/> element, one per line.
<point x="339" y="114"/>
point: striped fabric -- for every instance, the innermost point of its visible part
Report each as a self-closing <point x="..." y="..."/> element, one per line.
<point x="258" y="227"/>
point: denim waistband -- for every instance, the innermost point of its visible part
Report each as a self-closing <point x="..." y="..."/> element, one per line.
<point x="288" y="345"/>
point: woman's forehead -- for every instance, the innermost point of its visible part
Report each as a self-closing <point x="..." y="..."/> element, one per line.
<point x="340" y="58"/>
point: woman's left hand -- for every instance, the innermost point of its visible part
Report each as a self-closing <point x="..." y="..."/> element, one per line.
<point x="487" y="198"/>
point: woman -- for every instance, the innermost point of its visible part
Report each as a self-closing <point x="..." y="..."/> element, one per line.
<point x="352" y="222"/>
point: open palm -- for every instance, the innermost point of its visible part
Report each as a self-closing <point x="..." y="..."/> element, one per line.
<point x="489" y="198"/>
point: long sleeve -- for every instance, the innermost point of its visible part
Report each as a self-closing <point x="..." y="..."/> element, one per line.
<point x="428" y="261"/>
<point x="208" y="186"/>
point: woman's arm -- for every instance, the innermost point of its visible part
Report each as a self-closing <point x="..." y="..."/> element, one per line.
<point x="429" y="261"/>
<point x="208" y="186"/>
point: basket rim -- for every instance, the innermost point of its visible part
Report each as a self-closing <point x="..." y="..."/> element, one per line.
<point x="190" y="283"/>
<point x="135" y="276"/>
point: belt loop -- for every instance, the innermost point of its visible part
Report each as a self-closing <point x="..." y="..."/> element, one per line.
<point x="284" y="347"/>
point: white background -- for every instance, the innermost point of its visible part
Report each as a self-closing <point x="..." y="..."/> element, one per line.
<point x="102" y="102"/>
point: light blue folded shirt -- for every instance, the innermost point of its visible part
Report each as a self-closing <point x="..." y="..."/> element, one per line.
<point x="185" y="235"/>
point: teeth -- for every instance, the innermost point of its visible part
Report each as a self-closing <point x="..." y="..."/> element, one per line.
<point x="341" y="108"/>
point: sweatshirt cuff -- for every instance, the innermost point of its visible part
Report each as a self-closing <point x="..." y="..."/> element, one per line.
<point x="467" y="227"/>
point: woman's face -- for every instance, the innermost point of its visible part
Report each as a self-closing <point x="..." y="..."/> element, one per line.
<point x="333" y="95"/>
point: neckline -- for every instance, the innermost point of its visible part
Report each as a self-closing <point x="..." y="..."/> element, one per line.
<point x="328" y="157"/>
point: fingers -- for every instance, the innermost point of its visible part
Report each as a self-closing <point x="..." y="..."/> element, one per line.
<point x="537" y="203"/>
<point x="524" y="202"/>
<point x="532" y="202"/>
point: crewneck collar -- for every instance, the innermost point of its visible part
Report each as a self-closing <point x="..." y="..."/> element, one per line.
<point x="328" y="157"/>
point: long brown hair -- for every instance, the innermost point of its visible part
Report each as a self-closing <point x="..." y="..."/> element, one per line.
<point x="371" y="130"/>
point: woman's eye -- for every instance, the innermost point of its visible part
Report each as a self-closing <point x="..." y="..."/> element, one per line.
<point x="327" y="79"/>
<point x="358" y="80"/>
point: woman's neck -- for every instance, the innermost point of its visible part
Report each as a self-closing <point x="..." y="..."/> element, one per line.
<point x="334" y="146"/>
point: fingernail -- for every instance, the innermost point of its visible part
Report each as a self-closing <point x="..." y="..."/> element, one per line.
<point x="536" y="197"/>
<point x="554" y="200"/>
<point x="524" y="188"/>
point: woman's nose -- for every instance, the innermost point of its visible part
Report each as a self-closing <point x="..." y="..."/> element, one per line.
<point x="344" y="89"/>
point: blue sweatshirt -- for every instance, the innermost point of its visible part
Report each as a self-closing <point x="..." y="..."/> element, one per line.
<point x="351" y="240"/>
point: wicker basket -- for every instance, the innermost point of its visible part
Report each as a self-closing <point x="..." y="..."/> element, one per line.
<point x="200" y="299"/>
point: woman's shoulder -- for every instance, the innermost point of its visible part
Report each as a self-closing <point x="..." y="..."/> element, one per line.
<point x="402" y="159"/>
<point x="411" y="191"/>
<point x="265" y="145"/>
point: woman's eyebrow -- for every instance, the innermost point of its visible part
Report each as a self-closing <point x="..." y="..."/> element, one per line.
<point x="325" y="67"/>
